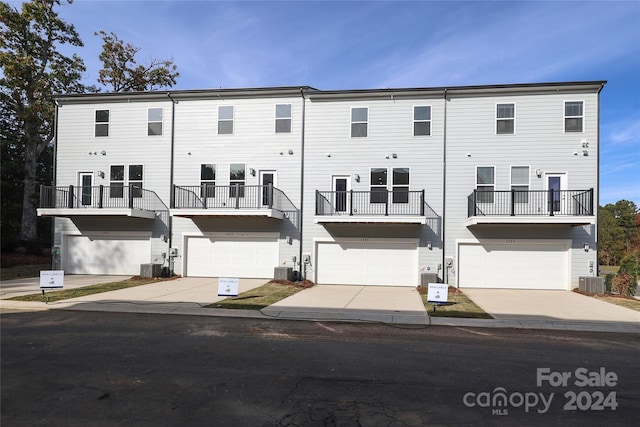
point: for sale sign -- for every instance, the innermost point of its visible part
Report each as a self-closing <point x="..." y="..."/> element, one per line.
<point x="227" y="287"/>
<point x="437" y="292"/>
<point x="51" y="279"/>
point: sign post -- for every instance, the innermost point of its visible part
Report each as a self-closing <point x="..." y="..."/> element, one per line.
<point x="51" y="279"/>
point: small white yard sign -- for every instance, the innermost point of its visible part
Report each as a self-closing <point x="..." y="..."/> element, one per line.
<point x="228" y="287"/>
<point x="437" y="292"/>
<point x="51" y="279"/>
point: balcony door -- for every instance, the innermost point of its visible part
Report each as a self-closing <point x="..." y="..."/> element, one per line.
<point x="556" y="185"/>
<point x="268" y="183"/>
<point x="85" y="181"/>
<point x="341" y="184"/>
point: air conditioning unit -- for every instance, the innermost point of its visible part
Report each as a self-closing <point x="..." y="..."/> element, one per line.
<point x="426" y="278"/>
<point x="592" y="285"/>
<point x="283" y="273"/>
<point x="150" y="270"/>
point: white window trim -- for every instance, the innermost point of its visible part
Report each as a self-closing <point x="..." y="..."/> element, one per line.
<point x="232" y="120"/>
<point x="151" y="121"/>
<point x="351" y="122"/>
<point x="514" y="117"/>
<point x="476" y="184"/>
<point x="511" y="175"/>
<point x="96" y="122"/>
<point x="564" y="116"/>
<point x="276" y="118"/>
<point x="430" y="121"/>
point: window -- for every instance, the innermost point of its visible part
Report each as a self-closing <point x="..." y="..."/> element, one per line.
<point x="236" y="180"/>
<point x="359" y="122"/>
<point x="116" y="181"/>
<point x="520" y="183"/>
<point x="283" y="118"/>
<point x="102" y="123"/>
<point x="378" y="185"/>
<point x="485" y="184"/>
<point x="208" y="180"/>
<point x="225" y="120"/>
<point x="154" y="121"/>
<point x="135" y="180"/>
<point x="573" y="116"/>
<point x="400" y="185"/>
<point x="505" y="118"/>
<point x="421" y="120"/>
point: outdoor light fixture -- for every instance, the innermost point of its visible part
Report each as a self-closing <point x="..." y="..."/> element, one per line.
<point x="394" y="155"/>
<point x="101" y="174"/>
<point x="538" y="173"/>
<point x="104" y="153"/>
<point x="356" y="177"/>
<point x="585" y="153"/>
<point x="290" y="151"/>
<point x="585" y="246"/>
<point x="252" y="171"/>
<point x="429" y="245"/>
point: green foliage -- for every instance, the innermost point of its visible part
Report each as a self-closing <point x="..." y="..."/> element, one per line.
<point x="628" y="274"/>
<point x="33" y="70"/>
<point x="608" y="280"/>
<point x="618" y="231"/>
<point x="122" y="72"/>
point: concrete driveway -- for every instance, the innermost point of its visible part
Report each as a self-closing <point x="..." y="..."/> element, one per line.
<point x="516" y="304"/>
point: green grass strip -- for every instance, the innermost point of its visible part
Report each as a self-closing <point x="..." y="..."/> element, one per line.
<point x="259" y="298"/>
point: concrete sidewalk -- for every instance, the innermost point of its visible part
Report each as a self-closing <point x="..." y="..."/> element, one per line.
<point x="393" y="305"/>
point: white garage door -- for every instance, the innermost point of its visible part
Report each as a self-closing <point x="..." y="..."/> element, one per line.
<point x="367" y="263"/>
<point x="514" y="266"/>
<point x="106" y="255"/>
<point x="232" y="257"/>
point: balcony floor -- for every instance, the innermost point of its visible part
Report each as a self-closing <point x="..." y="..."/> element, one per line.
<point x="119" y="212"/>
<point x="531" y="219"/>
<point x="228" y="213"/>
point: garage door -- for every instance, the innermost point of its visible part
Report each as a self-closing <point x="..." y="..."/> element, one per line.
<point x="232" y="257"/>
<point x="514" y="266"/>
<point x="106" y="255"/>
<point x="367" y="263"/>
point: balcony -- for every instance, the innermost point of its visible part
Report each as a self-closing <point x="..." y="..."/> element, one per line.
<point x="571" y="207"/>
<point x="69" y="201"/>
<point x="382" y="206"/>
<point x="230" y="201"/>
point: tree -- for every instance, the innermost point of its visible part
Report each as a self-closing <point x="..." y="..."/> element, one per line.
<point x="122" y="72"/>
<point x="619" y="231"/>
<point x="33" y="71"/>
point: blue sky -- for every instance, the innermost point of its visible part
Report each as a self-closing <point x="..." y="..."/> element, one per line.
<point x="361" y="44"/>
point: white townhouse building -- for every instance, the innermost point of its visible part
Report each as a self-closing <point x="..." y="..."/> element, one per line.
<point x="477" y="186"/>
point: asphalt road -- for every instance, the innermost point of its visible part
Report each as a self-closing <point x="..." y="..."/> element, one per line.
<point x="104" y="369"/>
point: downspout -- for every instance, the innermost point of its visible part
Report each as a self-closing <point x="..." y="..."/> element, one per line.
<point x="596" y="208"/>
<point x="55" y="259"/>
<point x="302" y="265"/>
<point x="171" y="195"/>
<point x="445" y="267"/>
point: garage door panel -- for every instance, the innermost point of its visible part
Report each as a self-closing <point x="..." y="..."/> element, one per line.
<point x="370" y="263"/>
<point x="105" y="255"/>
<point x="231" y="257"/>
<point x="513" y="266"/>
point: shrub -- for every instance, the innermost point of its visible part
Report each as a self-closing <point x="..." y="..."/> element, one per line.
<point x="608" y="280"/>
<point x="628" y="267"/>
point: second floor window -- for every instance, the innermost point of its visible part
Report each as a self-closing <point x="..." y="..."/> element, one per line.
<point x="135" y="180"/>
<point x="573" y="116"/>
<point x="485" y="184"/>
<point x="102" y="123"/>
<point x="236" y="180"/>
<point x="520" y="183"/>
<point x="421" y="120"/>
<point x="505" y="119"/>
<point x="154" y="121"/>
<point x="225" y="120"/>
<point x="283" y="118"/>
<point x="116" y="181"/>
<point x="208" y="180"/>
<point x="359" y="122"/>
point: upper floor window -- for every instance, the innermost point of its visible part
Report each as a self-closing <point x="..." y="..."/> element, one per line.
<point x="378" y="185"/>
<point x="400" y="185"/>
<point x="102" y="123"/>
<point x="485" y="184"/>
<point x="505" y="118"/>
<point x="283" y="118"/>
<point x="225" y="120"/>
<point x="154" y="121"/>
<point x="573" y="116"/>
<point x="208" y="179"/>
<point x="520" y="183"/>
<point x="421" y="120"/>
<point x="359" y="122"/>
<point x="135" y="180"/>
<point x="236" y="179"/>
<point x="116" y="181"/>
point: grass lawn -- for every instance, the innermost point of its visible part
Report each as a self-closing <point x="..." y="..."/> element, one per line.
<point x="53" y="296"/>
<point x="458" y="305"/>
<point x="626" y="302"/>
<point x="261" y="297"/>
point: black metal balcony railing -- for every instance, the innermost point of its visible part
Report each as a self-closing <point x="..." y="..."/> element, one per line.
<point x="99" y="197"/>
<point x="237" y="196"/>
<point x="375" y="203"/>
<point x="538" y="202"/>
